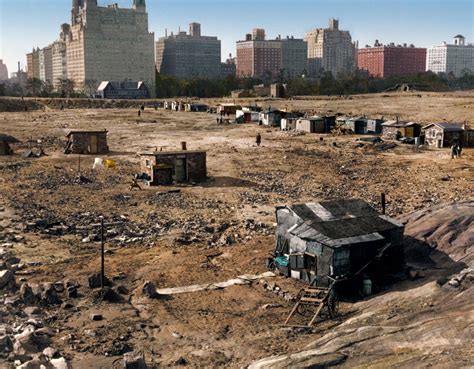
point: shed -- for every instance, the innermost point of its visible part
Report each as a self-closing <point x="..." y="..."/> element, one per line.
<point x="374" y="125"/>
<point x="122" y="90"/>
<point x="271" y="117"/>
<point x="86" y="142"/>
<point x="358" y="125"/>
<point x="166" y="167"/>
<point x="228" y="109"/>
<point x="247" y="116"/>
<point x="329" y="122"/>
<point x="395" y="129"/>
<point x="288" y="124"/>
<point x="336" y="239"/>
<point x="445" y="134"/>
<point x="311" y="125"/>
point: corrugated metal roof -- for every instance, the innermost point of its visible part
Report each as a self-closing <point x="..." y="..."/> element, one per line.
<point x="335" y="223"/>
<point x="447" y="126"/>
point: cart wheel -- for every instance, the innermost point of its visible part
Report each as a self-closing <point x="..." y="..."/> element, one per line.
<point x="333" y="305"/>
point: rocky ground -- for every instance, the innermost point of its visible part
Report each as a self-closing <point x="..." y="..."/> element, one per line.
<point x="53" y="314"/>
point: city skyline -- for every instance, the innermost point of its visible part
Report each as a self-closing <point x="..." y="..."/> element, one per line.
<point x="366" y="20"/>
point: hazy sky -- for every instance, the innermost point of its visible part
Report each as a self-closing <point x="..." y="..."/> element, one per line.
<point x="28" y="23"/>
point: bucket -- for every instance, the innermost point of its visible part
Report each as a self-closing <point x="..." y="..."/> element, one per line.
<point x="367" y="287"/>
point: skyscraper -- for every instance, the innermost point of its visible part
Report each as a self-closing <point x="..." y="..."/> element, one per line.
<point x="189" y="55"/>
<point x="330" y="50"/>
<point x="261" y="58"/>
<point x="110" y="44"/>
<point x="456" y="58"/>
<point x="3" y="71"/>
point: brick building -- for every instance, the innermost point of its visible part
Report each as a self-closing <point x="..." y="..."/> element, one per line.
<point x="391" y="60"/>
<point x="259" y="58"/>
<point x="189" y="55"/>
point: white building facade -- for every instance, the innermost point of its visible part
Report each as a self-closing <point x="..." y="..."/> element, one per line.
<point x="456" y="58"/>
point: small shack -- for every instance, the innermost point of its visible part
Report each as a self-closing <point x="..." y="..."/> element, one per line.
<point x="5" y="141"/>
<point x="86" y="142"/>
<point x="357" y="125"/>
<point x="336" y="239"/>
<point x="271" y="117"/>
<point x="247" y="116"/>
<point x="329" y="123"/>
<point x="311" y="125"/>
<point x="122" y="90"/>
<point x="196" y="108"/>
<point x="288" y="124"/>
<point x="394" y="130"/>
<point x="279" y="90"/>
<point x="228" y="109"/>
<point x="374" y="126"/>
<point x="445" y="134"/>
<point x="167" y="167"/>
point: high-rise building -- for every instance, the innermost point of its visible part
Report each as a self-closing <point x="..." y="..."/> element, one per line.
<point x="59" y="57"/>
<point x="109" y="44"/>
<point x="261" y="58"/>
<point x="189" y="55"/>
<point x="33" y="64"/>
<point x="456" y="58"/>
<point x="330" y="50"/>
<point x="391" y="60"/>
<point x="229" y="68"/>
<point x="3" y="71"/>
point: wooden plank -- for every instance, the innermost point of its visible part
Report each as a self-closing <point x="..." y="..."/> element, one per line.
<point x="292" y="312"/>
<point x="311" y="299"/>
<point x="315" y="315"/>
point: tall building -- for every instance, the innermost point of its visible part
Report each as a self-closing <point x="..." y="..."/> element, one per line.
<point x="59" y="57"/>
<point x="330" y="50"/>
<point x="391" y="60"/>
<point x="33" y="64"/>
<point x="261" y="58"/>
<point x="109" y="44"/>
<point x="456" y="58"/>
<point x="229" y="68"/>
<point x="3" y="71"/>
<point x="189" y="55"/>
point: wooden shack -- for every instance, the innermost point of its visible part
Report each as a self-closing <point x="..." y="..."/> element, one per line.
<point x="394" y="129"/>
<point x="336" y="239"/>
<point x="445" y="134"/>
<point x="311" y="125"/>
<point x="374" y="125"/>
<point x="87" y="142"/>
<point x="167" y="167"/>
<point x="358" y="125"/>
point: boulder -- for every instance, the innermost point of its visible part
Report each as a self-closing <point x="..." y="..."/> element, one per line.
<point x="149" y="290"/>
<point x="6" y="344"/>
<point x="50" y="352"/>
<point x="49" y="295"/>
<point x="27" y="295"/>
<point x="59" y="363"/>
<point x="94" y="280"/>
<point x="7" y="279"/>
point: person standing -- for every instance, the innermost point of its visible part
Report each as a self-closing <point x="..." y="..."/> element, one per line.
<point x="258" y="139"/>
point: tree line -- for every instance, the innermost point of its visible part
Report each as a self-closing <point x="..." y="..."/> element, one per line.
<point x="326" y="85"/>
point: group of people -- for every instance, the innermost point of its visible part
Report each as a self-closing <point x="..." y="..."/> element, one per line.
<point x="456" y="150"/>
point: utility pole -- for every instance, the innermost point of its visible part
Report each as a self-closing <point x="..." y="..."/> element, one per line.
<point x="102" y="255"/>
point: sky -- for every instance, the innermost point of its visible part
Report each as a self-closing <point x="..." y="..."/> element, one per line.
<point x="25" y="24"/>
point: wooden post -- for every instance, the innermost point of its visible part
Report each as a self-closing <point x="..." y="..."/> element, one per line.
<point x="102" y="254"/>
<point x="383" y="203"/>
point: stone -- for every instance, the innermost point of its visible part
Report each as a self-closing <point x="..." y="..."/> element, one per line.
<point x="50" y="352"/>
<point x="6" y="344"/>
<point x="7" y="279"/>
<point x="59" y="287"/>
<point x="95" y="279"/>
<point x="32" y="364"/>
<point x="59" y="363"/>
<point x="49" y="295"/>
<point x="120" y="290"/>
<point x="32" y="310"/>
<point x="149" y="290"/>
<point x="134" y="360"/>
<point x="96" y="317"/>
<point x="108" y="294"/>
<point x="72" y="292"/>
<point x="27" y="295"/>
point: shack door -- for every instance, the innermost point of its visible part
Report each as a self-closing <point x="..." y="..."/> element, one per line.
<point x="93" y="147"/>
<point x="181" y="170"/>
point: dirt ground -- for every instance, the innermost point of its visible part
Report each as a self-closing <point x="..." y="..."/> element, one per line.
<point x="223" y="228"/>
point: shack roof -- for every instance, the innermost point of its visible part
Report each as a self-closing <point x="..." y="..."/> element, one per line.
<point x="7" y="138"/>
<point x="339" y="222"/>
<point x="447" y="126"/>
<point x="85" y="132"/>
<point x="165" y="153"/>
<point x="394" y="123"/>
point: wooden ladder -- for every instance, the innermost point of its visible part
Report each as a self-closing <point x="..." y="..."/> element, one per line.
<point x="311" y="296"/>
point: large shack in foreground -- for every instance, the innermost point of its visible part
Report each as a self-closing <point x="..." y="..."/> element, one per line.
<point x="336" y="239"/>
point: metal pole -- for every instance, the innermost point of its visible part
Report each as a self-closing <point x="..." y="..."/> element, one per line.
<point x="383" y="203"/>
<point x="102" y="254"/>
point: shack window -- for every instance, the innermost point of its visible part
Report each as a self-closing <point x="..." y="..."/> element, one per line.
<point x="310" y="262"/>
<point x="147" y="163"/>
